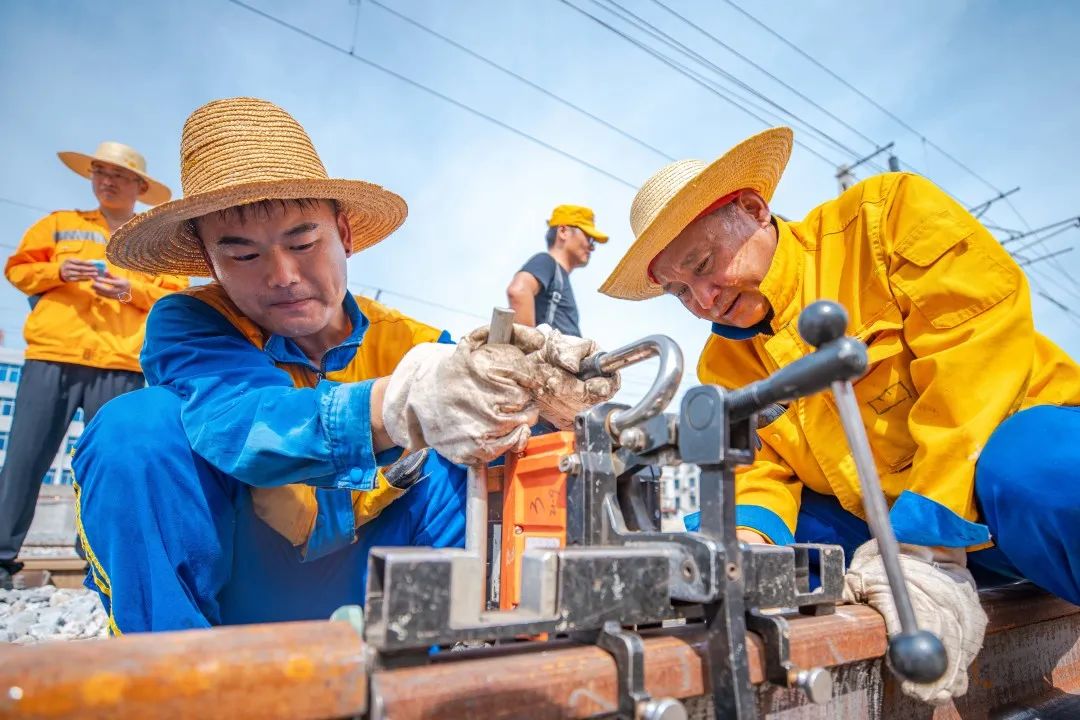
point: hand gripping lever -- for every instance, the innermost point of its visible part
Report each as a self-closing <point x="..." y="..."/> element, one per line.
<point x="500" y="332"/>
<point x="915" y="655"/>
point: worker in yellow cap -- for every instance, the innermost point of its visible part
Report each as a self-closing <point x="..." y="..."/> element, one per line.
<point x="540" y="292"/>
<point x="971" y="414"/>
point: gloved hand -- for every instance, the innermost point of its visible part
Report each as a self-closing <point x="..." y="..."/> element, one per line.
<point x="471" y="402"/>
<point x="945" y="602"/>
<point x="561" y="395"/>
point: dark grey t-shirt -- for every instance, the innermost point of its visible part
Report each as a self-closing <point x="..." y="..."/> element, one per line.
<point x="554" y="288"/>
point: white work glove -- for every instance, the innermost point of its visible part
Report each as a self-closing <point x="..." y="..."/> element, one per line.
<point x="945" y="601"/>
<point x="561" y="395"/>
<point x="470" y="402"/>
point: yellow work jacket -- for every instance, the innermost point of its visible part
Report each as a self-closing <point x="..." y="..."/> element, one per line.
<point x="293" y="510"/>
<point x="69" y="322"/>
<point x="946" y="315"/>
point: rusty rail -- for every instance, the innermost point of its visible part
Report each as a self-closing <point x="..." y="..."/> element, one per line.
<point x="286" y="670"/>
<point x="316" y="670"/>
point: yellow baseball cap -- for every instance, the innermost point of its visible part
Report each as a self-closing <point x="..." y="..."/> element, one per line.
<point x="579" y="217"/>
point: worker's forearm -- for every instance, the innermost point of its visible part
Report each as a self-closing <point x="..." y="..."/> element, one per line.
<point x="747" y="535"/>
<point x="380" y="439"/>
<point x="524" y="309"/>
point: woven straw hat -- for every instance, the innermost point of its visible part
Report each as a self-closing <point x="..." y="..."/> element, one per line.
<point x="122" y="156"/>
<point x="238" y="151"/>
<point x="679" y="192"/>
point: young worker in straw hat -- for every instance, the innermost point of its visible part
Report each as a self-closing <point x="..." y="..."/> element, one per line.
<point x="248" y="482"/>
<point x="84" y="331"/>
<point x="968" y="409"/>
<point x="540" y="292"/>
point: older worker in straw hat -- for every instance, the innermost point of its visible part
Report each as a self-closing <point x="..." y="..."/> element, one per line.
<point x="249" y="481"/>
<point x="84" y="331"/>
<point x="966" y="406"/>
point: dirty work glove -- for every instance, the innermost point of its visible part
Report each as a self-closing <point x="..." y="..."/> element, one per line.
<point x="470" y="402"/>
<point x="561" y="394"/>
<point x="945" y="602"/>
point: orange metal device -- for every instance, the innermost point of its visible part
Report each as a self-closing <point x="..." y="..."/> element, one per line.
<point x="534" y="508"/>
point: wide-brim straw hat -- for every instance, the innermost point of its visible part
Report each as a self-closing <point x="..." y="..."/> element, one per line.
<point x="239" y="151"/>
<point x="122" y="156"/>
<point x="673" y="197"/>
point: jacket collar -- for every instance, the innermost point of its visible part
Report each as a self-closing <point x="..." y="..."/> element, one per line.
<point x="784" y="278"/>
<point x="284" y="350"/>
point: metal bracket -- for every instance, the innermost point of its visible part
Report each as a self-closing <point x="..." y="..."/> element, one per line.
<point x="816" y="683"/>
<point x="628" y="650"/>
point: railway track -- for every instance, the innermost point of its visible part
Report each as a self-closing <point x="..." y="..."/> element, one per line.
<point x="61" y="571"/>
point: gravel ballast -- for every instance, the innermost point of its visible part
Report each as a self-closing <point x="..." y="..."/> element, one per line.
<point x="44" y="614"/>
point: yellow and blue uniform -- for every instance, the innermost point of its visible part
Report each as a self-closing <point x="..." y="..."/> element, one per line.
<point x="69" y="322"/>
<point x="242" y="485"/>
<point x="968" y="409"/>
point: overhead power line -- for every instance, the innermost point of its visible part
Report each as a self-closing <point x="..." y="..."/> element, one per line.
<point x="696" y="77"/>
<point x="764" y="26"/>
<point x="979" y="210"/>
<point x="761" y="69"/>
<point x="379" y="292"/>
<point x="656" y="33"/>
<point x="28" y="206"/>
<point x="1070" y="221"/>
<point x="1031" y="261"/>
<point x="506" y="71"/>
<point x="1040" y="240"/>
<point x="420" y="86"/>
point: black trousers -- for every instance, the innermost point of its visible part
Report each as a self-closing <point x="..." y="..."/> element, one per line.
<point x="49" y="394"/>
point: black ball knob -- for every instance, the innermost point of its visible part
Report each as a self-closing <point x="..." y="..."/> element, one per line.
<point x="919" y="656"/>
<point x="822" y="322"/>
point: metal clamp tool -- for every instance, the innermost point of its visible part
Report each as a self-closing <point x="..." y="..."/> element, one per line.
<point x="612" y="562"/>
<point x="914" y="654"/>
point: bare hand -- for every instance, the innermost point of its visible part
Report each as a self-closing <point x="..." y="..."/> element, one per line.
<point x="75" y="270"/>
<point x="114" y="288"/>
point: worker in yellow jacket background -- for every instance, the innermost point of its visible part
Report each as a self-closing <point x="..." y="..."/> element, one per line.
<point x="85" y="328"/>
<point x="971" y="415"/>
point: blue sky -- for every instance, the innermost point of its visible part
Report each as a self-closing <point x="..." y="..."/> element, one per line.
<point x="993" y="83"/>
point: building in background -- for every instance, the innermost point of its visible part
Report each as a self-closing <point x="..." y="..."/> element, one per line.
<point x="59" y="472"/>
<point x="679" y="493"/>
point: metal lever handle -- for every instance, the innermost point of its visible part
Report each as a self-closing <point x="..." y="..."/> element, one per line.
<point x="916" y="655"/>
<point x="500" y="331"/>
<point x="663" y="388"/>
<point x="838" y="358"/>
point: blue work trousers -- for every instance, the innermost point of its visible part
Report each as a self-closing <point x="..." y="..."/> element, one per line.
<point x="174" y="543"/>
<point x="1027" y="488"/>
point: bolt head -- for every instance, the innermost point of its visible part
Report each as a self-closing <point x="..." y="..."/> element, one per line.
<point x="816" y="683"/>
<point x="570" y="464"/>
<point x="633" y="439"/>
<point x="662" y="709"/>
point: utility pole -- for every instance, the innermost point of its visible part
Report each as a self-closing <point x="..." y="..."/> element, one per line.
<point x="846" y="178"/>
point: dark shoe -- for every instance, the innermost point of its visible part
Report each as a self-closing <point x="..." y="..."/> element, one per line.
<point x="7" y="570"/>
